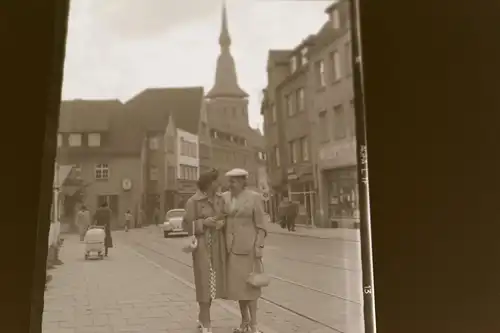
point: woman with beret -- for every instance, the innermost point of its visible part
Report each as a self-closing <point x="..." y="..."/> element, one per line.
<point x="245" y="234"/>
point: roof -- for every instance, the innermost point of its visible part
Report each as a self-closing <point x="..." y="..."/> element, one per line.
<point x="151" y="108"/>
<point x="124" y="134"/>
<point x="278" y="56"/>
<point x="86" y="115"/>
<point x="326" y="36"/>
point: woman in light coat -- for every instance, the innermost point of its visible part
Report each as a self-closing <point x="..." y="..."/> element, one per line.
<point x="83" y="221"/>
<point x="245" y="235"/>
<point x="205" y="209"/>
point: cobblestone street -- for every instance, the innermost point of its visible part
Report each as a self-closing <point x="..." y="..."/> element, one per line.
<point x="123" y="293"/>
<point x="146" y="285"/>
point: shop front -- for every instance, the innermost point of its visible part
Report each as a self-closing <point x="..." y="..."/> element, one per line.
<point x="339" y="185"/>
<point x="301" y="190"/>
<point x="342" y="191"/>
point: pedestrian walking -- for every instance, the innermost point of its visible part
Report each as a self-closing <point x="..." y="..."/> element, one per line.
<point x="205" y="219"/>
<point x="286" y="213"/>
<point x="142" y="218"/>
<point x="102" y="217"/>
<point x="128" y="220"/>
<point x="245" y="234"/>
<point x="82" y="221"/>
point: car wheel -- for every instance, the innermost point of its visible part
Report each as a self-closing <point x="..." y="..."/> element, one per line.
<point x="165" y="234"/>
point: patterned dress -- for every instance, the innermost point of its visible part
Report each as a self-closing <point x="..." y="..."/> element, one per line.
<point x="209" y="259"/>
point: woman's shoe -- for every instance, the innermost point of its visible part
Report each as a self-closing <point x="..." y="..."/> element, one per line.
<point x="244" y="328"/>
<point x="254" y="329"/>
<point x="203" y="329"/>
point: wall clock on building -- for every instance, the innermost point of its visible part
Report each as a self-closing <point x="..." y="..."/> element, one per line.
<point x="126" y="184"/>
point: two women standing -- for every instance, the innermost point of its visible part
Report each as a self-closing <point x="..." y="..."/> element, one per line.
<point x="230" y="234"/>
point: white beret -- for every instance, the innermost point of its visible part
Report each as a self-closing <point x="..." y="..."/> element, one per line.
<point x="237" y="173"/>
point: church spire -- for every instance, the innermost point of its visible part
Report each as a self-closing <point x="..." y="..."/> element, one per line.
<point x="224" y="38"/>
<point x="226" y="80"/>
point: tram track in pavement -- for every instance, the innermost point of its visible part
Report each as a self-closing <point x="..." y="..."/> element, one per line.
<point x="288" y="281"/>
<point x="187" y="264"/>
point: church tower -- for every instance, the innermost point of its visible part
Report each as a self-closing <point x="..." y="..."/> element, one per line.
<point x="227" y="103"/>
<point x="233" y="143"/>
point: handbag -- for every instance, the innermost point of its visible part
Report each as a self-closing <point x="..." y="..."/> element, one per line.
<point x="258" y="280"/>
<point x="191" y="243"/>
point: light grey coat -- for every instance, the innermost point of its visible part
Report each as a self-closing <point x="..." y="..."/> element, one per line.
<point x="245" y="234"/>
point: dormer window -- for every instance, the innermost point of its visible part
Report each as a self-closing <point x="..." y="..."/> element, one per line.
<point x="335" y="19"/>
<point x="293" y="64"/>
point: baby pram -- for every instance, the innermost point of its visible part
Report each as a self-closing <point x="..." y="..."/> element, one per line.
<point x="94" y="242"/>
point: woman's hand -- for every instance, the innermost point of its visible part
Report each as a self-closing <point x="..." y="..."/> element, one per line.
<point x="219" y="224"/>
<point x="210" y="222"/>
<point x="258" y="251"/>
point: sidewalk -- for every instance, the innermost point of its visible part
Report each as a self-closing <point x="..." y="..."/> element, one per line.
<point x="120" y="294"/>
<point x="350" y="235"/>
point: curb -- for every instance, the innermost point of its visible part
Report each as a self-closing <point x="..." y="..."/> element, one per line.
<point x="312" y="236"/>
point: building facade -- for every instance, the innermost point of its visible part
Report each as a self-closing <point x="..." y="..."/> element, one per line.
<point x="188" y="164"/>
<point x="167" y="117"/>
<point x="288" y="129"/>
<point x="333" y="120"/>
<point x="105" y="153"/>
<point x="233" y="143"/>
<point x="309" y="124"/>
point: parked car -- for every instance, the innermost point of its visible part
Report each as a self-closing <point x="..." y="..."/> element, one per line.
<point x="173" y="223"/>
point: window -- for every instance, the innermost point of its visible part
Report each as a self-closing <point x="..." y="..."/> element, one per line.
<point x="336" y="66"/>
<point x="319" y="69"/>
<point x="303" y="54"/>
<point x="339" y="122"/>
<point x="94" y="140"/>
<point x="323" y="127"/>
<point x="304" y="147"/>
<point x="194" y="148"/>
<point x="274" y="116"/>
<point x="75" y="140"/>
<point x="101" y="172"/>
<point x="277" y="158"/>
<point x="348" y="57"/>
<point x="289" y="105"/>
<point x="154" y="143"/>
<point x="293" y="64"/>
<point x="188" y="172"/>
<point x="59" y="140"/>
<point x="154" y="173"/>
<point x="336" y="19"/>
<point x="293" y="151"/>
<point x="300" y="100"/>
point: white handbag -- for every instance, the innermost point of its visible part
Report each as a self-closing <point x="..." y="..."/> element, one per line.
<point x="191" y="243"/>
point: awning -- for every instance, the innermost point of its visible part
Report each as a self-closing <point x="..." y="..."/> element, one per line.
<point x="60" y="174"/>
<point x="70" y="190"/>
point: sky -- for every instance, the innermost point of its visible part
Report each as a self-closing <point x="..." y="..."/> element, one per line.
<point x="117" y="48"/>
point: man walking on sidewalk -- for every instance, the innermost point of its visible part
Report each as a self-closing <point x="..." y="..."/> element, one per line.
<point x="287" y="211"/>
